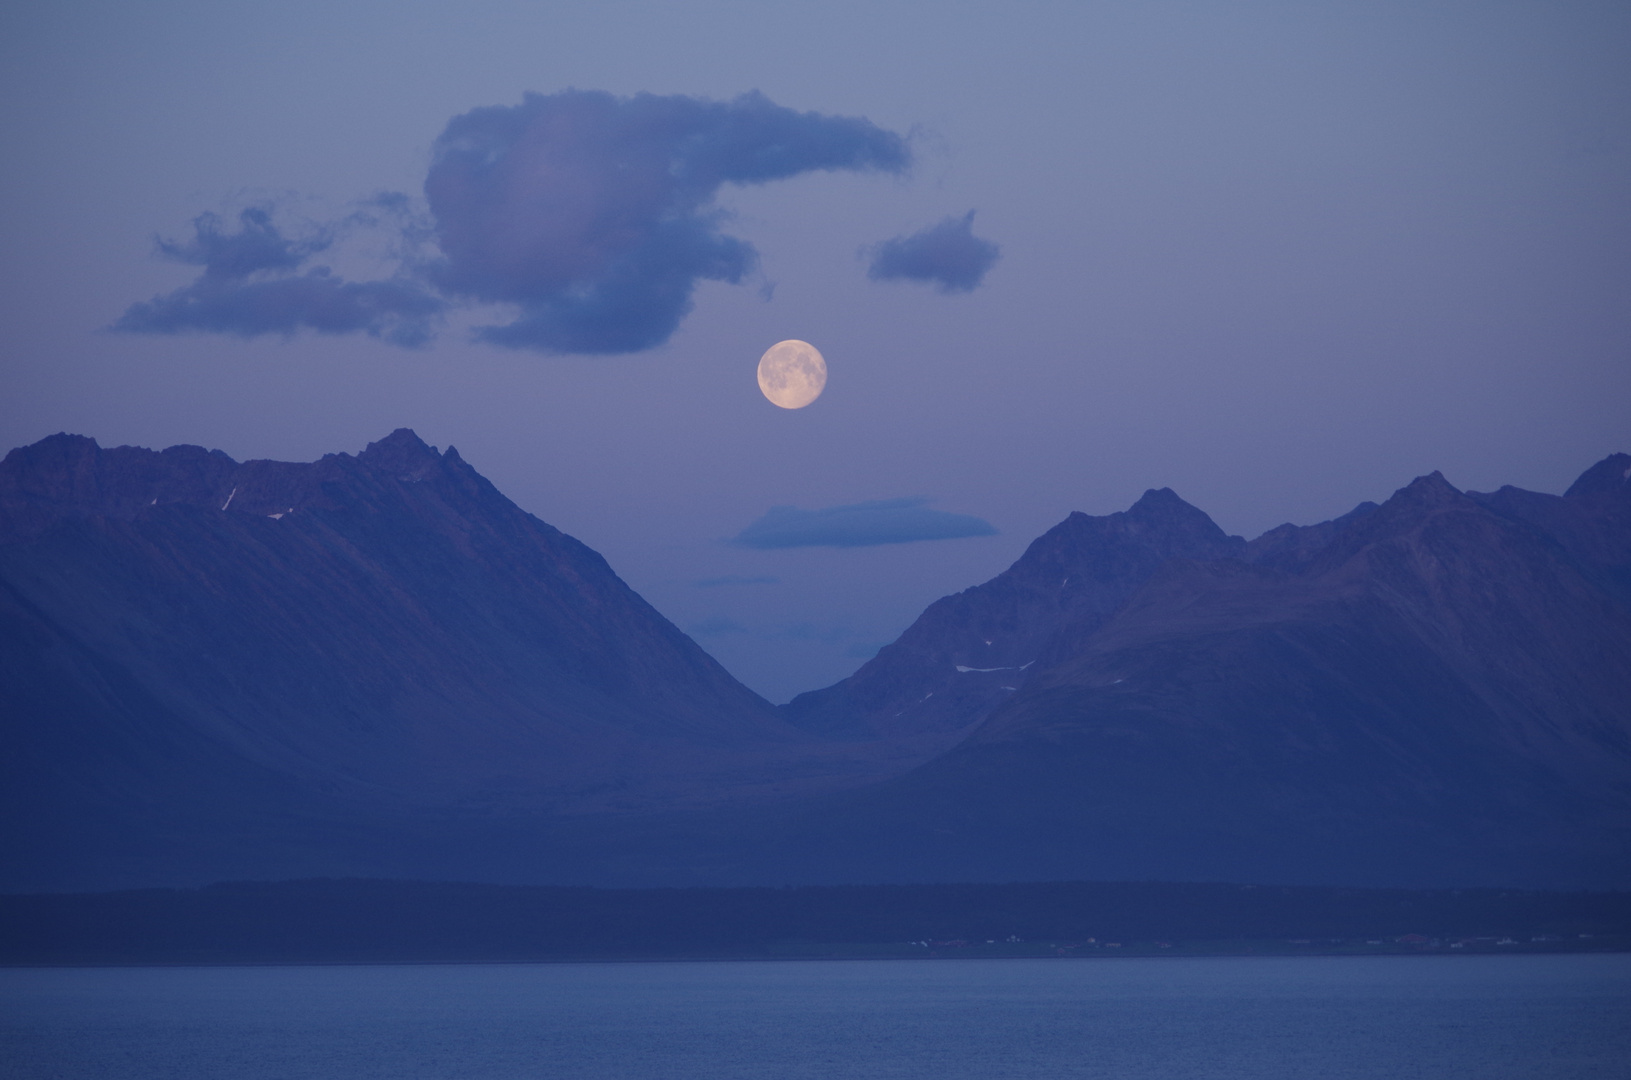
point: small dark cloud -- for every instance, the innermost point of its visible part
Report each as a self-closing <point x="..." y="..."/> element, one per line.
<point x="734" y="579"/>
<point x="948" y="255"/>
<point x="718" y="626"/>
<point x="253" y="282"/>
<point x="595" y="213"/>
<point x="887" y="521"/>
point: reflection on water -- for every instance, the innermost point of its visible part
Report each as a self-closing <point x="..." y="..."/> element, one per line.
<point x="1173" y="1019"/>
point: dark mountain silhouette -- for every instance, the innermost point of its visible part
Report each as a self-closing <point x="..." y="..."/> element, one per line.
<point x="1437" y="690"/>
<point x="1591" y="521"/>
<point x="378" y="665"/>
<point x="967" y="653"/>
<point x="204" y="650"/>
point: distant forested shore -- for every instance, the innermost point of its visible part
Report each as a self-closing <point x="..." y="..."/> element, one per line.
<point x="379" y="921"/>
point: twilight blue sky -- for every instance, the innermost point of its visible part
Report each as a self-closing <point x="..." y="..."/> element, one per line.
<point x="1279" y="257"/>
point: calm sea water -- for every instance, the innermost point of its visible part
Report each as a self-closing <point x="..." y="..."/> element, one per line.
<point x="1172" y="1019"/>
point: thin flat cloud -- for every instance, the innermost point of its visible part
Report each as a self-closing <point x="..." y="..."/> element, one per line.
<point x="593" y="217"/>
<point x="718" y="626"/>
<point x="735" y="579"/>
<point x="947" y="255"/>
<point x="885" y="521"/>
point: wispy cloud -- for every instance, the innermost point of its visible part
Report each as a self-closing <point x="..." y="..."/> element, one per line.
<point x="947" y="255"/>
<point x="886" y="521"/>
<point x="718" y="626"/>
<point x="593" y="215"/>
<point x="735" y="579"/>
<point x="256" y="280"/>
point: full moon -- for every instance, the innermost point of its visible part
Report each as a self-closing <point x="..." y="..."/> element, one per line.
<point x="792" y="374"/>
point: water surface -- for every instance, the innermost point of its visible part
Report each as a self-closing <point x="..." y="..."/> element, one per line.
<point x="1316" y="1018"/>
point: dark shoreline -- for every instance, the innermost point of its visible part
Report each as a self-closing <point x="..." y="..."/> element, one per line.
<point x="860" y="956"/>
<point x="371" y="921"/>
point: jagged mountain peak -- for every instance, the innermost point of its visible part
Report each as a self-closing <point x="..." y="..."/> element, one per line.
<point x="70" y="476"/>
<point x="403" y="437"/>
<point x="61" y="446"/>
<point x="401" y="451"/>
<point x="1162" y="502"/>
<point x="1430" y="488"/>
<point x="969" y="651"/>
<point x="1421" y="498"/>
<point x="66" y="477"/>
<point x="1156" y="504"/>
<point x="1612" y="475"/>
<point x="1290" y="547"/>
<point x="1405" y="514"/>
<point x="1160" y="517"/>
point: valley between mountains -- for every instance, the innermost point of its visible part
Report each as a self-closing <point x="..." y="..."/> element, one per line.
<point x="376" y="665"/>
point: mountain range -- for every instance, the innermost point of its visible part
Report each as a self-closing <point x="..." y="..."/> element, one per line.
<point x="377" y="664"/>
<point x="326" y="656"/>
<point x="1434" y="690"/>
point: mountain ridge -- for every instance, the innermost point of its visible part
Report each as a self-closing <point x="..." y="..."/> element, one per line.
<point x="1440" y="694"/>
<point x="377" y="665"/>
<point x="363" y="639"/>
<point x="1005" y="626"/>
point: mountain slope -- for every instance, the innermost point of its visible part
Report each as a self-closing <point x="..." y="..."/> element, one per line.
<point x="195" y="646"/>
<point x="965" y="654"/>
<point x="1441" y="694"/>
